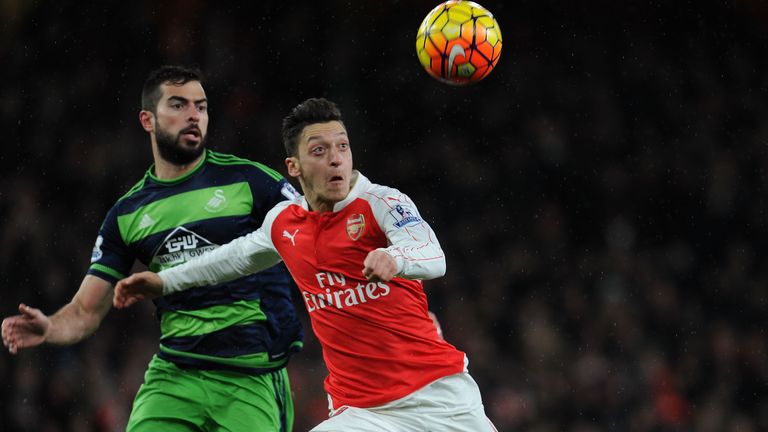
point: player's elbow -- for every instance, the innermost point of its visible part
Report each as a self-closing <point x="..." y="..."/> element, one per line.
<point x="436" y="268"/>
<point x="442" y="268"/>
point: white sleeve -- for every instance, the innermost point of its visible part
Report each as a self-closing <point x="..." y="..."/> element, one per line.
<point x="243" y="256"/>
<point x="412" y="243"/>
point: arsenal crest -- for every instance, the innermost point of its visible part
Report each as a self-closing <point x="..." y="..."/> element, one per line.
<point x="355" y="226"/>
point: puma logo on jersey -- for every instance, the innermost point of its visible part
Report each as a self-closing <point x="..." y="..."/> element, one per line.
<point x="291" y="236"/>
<point x="146" y="222"/>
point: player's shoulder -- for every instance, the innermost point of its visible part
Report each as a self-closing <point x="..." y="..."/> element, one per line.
<point x="137" y="191"/>
<point x="247" y="166"/>
<point x="382" y="195"/>
<point x="138" y="186"/>
<point x="282" y="206"/>
<point x="390" y="204"/>
<point x="131" y="199"/>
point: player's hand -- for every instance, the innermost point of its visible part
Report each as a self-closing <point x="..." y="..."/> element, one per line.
<point x="379" y="266"/>
<point x="25" y="330"/>
<point x="137" y="287"/>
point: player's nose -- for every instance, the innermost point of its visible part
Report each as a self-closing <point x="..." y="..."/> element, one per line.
<point x="193" y="114"/>
<point x="334" y="157"/>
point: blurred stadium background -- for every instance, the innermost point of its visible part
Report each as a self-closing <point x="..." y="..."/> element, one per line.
<point x="601" y="196"/>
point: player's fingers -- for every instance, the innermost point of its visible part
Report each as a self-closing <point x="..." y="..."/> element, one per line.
<point x="370" y="265"/>
<point x="14" y="342"/>
<point x="8" y="332"/>
<point x="122" y="291"/>
<point x="129" y="300"/>
<point x="123" y="298"/>
<point x="118" y="300"/>
<point x="381" y="273"/>
<point x="367" y="260"/>
<point x="19" y="343"/>
<point x="371" y="273"/>
<point x="132" y="280"/>
<point x="29" y="312"/>
<point x="117" y="295"/>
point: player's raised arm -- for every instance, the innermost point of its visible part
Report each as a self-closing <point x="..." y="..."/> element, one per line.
<point x="240" y="257"/>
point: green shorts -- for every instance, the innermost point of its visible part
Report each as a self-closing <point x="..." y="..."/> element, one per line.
<point x="174" y="399"/>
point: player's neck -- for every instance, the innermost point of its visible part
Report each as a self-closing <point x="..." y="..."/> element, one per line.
<point x="165" y="170"/>
<point x="320" y="205"/>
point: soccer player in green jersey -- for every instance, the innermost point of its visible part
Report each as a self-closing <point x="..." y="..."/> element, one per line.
<point x="223" y="352"/>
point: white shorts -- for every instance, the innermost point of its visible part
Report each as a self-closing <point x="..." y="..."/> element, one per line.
<point x="450" y="404"/>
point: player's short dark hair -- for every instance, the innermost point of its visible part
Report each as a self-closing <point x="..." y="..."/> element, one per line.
<point x="176" y="75"/>
<point x="311" y="111"/>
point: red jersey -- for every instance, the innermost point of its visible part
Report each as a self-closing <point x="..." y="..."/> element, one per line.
<point x="379" y="344"/>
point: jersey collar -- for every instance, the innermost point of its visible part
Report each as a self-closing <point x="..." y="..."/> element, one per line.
<point x="151" y="172"/>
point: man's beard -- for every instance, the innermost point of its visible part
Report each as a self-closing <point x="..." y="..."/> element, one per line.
<point x="173" y="151"/>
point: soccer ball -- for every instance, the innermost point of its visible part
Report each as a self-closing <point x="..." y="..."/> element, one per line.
<point x="459" y="42"/>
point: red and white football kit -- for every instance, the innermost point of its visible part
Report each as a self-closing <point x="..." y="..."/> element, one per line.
<point x="379" y="343"/>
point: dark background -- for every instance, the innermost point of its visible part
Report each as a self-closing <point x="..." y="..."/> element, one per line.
<point x="601" y="196"/>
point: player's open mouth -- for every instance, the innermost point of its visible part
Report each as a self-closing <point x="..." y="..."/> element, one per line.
<point x="336" y="179"/>
<point x="191" y="133"/>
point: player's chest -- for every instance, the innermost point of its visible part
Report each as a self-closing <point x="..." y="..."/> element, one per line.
<point x="310" y="241"/>
<point x="180" y="232"/>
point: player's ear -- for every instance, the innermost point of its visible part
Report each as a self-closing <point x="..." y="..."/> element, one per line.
<point x="293" y="166"/>
<point x="147" y="120"/>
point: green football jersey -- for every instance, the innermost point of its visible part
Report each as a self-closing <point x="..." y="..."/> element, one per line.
<point x="247" y="325"/>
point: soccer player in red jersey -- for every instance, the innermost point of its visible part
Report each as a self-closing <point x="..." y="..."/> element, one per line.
<point x="358" y="252"/>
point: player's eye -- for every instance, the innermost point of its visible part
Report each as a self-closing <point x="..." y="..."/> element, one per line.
<point x="202" y="108"/>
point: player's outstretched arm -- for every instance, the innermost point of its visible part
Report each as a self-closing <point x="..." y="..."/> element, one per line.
<point x="137" y="287"/>
<point x="74" y="322"/>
